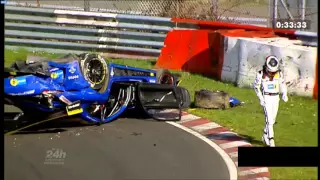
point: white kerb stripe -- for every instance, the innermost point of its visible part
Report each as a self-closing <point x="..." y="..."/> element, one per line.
<point x="233" y="154"/>
<point x="188" y="117"/>
<point x="261" y="178"/>
<point x="228" y="133"/>
<point x="233" y="144"/>
<point x="230" y="165"/>
<point x="207" y="126"/>
<point x="253" y="171"/>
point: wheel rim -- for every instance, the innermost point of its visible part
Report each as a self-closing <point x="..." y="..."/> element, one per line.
<point x="95" y="71"/>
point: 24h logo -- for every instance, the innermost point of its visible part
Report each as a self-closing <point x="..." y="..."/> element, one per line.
<point x="55" y="156"/>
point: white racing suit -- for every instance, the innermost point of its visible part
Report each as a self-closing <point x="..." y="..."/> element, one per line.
<point x="268" y="91"/>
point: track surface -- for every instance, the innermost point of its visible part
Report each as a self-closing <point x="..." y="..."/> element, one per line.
<point x="123" y="149"/>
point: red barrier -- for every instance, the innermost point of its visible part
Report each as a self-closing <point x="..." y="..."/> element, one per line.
<point x="197" y="51"/>
<point x="315" y="88"/>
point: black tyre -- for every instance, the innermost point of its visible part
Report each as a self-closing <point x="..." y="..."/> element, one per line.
<point x="96" y="71"/>
<point x="165" y="77"/>
<point x="211" y="99"/>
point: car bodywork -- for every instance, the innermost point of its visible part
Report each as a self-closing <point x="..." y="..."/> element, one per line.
<point x="61" y="86"/>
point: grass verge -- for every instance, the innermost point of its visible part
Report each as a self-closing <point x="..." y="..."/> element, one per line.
<point x="297" y="119"/>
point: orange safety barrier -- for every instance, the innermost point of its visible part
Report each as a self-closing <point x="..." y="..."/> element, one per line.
<point x="197" y="51"/>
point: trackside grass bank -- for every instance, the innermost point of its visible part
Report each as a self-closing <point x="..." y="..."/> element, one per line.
<point x="297" y="119"/>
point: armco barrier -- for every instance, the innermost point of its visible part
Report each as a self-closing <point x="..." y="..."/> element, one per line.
<point x="241" y="20"/>
<point x="236" y="55"/>
<point x="63" y="31"/>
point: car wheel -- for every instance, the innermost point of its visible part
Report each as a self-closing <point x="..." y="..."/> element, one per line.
<point x="211" y="99"/>
<point x="165" y="77"/>
<point x="96" y="71"/>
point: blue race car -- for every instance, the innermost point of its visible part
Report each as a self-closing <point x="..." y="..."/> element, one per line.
<point x="87" y="86"/>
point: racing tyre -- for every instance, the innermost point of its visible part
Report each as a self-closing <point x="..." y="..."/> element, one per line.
<point x="165" y="77"/>
<point x="211" y="99"/>
<point x="95" y="70"/>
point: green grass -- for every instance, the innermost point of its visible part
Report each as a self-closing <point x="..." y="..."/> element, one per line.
<point x="297" y="119"/>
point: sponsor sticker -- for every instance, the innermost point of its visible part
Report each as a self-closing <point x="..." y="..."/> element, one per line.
<point x="73" y="77"/>
<point x="54" y="75"/>
<point x="18" y="81"/>
<point x="54" y="69"/>
<point x="152" y="80"/>
<point x="271" y="86"/>
<point x="74" y="108"/>
<point x="72" y="70"/>
<point x="23" y="93"/>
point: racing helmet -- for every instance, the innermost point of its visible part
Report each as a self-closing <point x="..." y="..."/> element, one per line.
<point x="272" y="64"/>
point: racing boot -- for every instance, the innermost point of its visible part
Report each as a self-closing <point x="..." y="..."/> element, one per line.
<point x="265" y="139"/>
<point x="272" y="144"/>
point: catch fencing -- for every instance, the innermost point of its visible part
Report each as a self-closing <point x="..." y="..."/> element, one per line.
<point x="259" y="12"/>
<point x="216" y="10"/>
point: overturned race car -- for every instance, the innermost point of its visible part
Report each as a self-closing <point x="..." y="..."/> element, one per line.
<point x="86" y="85"/>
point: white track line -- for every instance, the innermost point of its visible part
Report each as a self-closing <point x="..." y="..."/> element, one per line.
<point x="233" y="144"/>
<point x="206" y="126"/>
<point x="230" y="164"/>
<point x="233" y="154"/>
<point x="253" y="171"/>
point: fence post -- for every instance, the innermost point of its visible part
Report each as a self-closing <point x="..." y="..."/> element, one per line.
<point x="275" y="13"/>
<point x="86" y="5"/>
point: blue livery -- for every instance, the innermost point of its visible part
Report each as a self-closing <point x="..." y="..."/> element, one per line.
<point x="74" y="87"/>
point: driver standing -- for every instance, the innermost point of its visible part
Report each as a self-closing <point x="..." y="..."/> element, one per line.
<point x="267" y="85"/>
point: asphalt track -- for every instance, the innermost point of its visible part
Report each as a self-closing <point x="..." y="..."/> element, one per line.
<point x="123" y="149"/>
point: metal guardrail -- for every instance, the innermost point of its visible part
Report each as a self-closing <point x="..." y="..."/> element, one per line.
<point x="308" y="38"/>
<point x="62" y="30"/>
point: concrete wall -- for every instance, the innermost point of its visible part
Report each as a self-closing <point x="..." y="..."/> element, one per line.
<point x="246" y="56"/>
